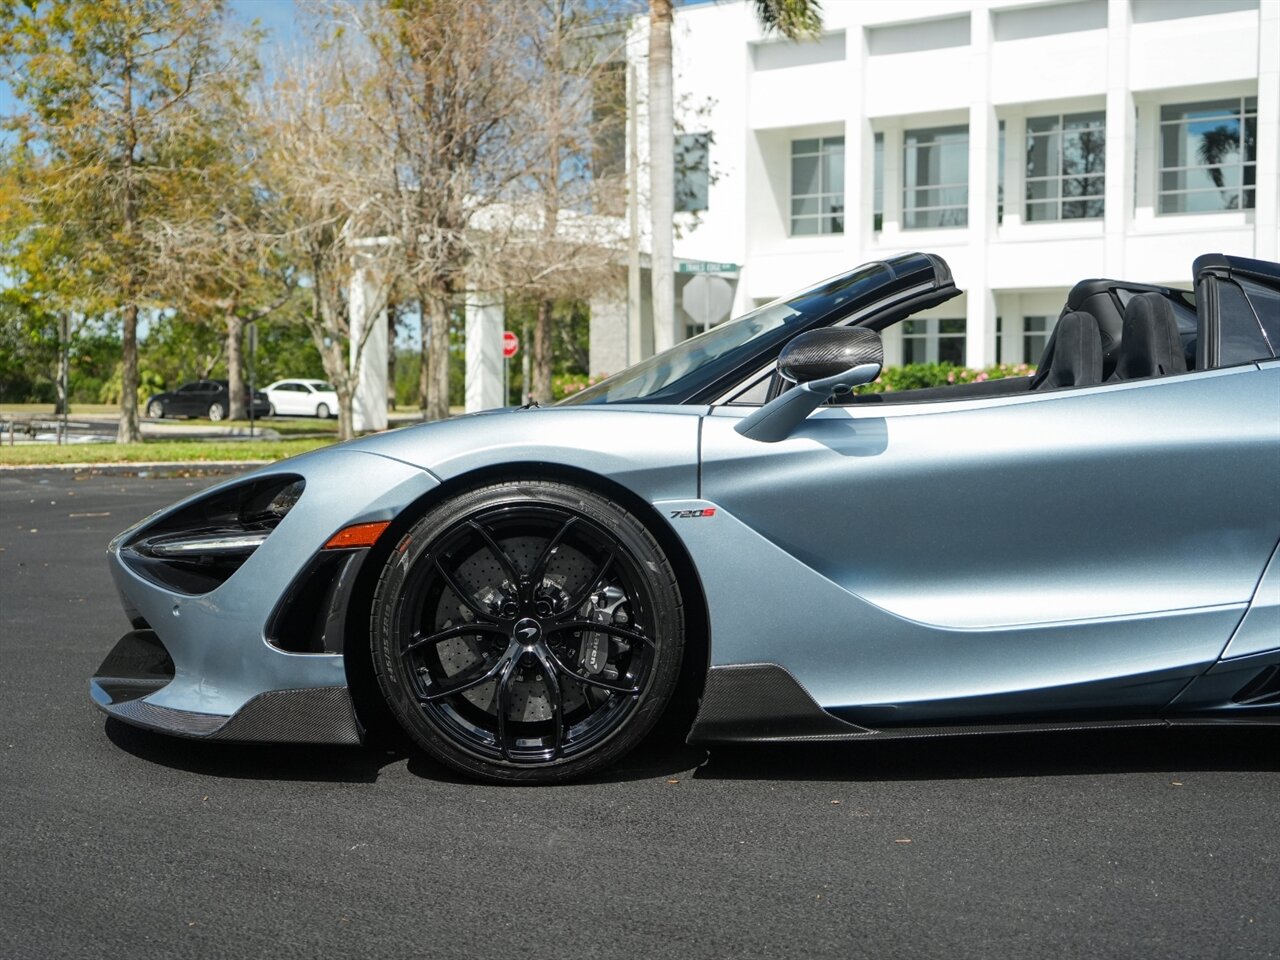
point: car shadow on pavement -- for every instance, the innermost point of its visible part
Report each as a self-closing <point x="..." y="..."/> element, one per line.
<point x="1172" y="750"/>
<point x="252" y="761"/>
<point x="1153" y="750"/>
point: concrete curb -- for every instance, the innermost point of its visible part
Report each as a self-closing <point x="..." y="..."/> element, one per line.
<point x="126" y="468"/>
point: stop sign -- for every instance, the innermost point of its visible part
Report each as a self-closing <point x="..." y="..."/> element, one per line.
<point x="510" y="344"/>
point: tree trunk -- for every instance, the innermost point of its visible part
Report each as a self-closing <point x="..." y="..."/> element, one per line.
<point x="64" y="366"/>
<point x="542" y="353"/>
<point x="424" y="355"/>
<point x="662" y="190"/>
<point x="129" y="431"/>
<point x="392" y="317"/>
<point x="526" y="359"/>
<point x="235" y="368"/>
<point x="437" y="360"/>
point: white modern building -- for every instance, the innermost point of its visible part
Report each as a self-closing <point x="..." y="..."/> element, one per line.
<point x="1031" y="144"/>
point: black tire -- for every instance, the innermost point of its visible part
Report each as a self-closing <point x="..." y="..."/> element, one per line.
<point x="576" y="694"/>
<point x="216" y="411"/>
<point x="155" y="410"/>
<point x="322" y="411"/>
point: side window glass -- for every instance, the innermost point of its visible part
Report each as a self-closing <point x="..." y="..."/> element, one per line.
<point x="1240" y="338"/>
<point x="1266" y="304"/>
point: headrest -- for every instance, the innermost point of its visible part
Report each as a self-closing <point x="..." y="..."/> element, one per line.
<point x="1077" y="354"/>
<point x="1149" y="343"/>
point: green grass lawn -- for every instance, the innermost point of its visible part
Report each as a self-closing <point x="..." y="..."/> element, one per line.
<point x="157" y="451"/>
<point x="285" y="426"/>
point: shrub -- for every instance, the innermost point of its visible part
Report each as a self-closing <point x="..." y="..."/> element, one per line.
<point x="916" y="376"/>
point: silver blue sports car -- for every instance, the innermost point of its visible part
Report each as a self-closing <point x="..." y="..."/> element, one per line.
<point x="735" y="533"/>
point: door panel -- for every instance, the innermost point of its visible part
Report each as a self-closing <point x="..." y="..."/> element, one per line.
<point x="1023" y="522"/>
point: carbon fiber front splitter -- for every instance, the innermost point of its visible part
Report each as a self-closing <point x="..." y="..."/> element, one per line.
<point x="139" y="666"/>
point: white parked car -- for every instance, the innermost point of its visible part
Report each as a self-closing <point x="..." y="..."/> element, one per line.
<point x="308" y="398"/>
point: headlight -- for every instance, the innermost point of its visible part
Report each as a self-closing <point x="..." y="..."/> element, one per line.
<point x="198" y="547"/>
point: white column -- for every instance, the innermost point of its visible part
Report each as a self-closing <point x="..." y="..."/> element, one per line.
<point x="609" y="330"/>
<point x="1015" y="168"/>
<point x="1121" y="121"/>
<point x="859" y="150"/>
<point x="484" y="317"/>
<point x="891" y="231"/>
<point x="1267" y="210"/>
<point x="369" y="405"/>
<point x="984" y="143"/>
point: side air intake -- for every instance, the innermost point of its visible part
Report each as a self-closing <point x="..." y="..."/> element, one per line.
<point x="1263" y="688"/>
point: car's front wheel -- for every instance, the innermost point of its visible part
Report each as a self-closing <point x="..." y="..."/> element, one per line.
<point x="216" y="411"/>
<point x="527" y="631"/>
<point x="322" y="411"/>
<point x="155" y="410"/>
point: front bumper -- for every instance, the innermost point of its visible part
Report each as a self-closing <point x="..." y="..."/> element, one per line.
<point x="201" y="665"/>
<point x="139" y="665"/>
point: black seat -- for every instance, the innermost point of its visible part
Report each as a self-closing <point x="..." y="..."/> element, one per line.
<point x="1077" y="354"/>
<point x="1150" y="345"/>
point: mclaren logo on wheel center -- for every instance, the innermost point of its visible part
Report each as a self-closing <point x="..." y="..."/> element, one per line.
<point x="528" y="631"/>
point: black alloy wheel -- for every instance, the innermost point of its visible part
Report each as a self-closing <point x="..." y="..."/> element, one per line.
<point x="527" y="631"/>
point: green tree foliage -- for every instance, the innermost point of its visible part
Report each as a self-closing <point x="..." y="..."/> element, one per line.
<point x="112" y="95"/>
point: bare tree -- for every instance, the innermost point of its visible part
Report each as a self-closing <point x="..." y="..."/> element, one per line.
<point x="320" y="175"/>
<point x="563" y="243"/>
<point x="441" y="107"/>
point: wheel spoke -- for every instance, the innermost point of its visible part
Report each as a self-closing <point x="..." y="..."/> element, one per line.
<point x="418" y="641"/>
<point x="592" y="681"/>
<point x="462" y="594"/>
<point x="612" y="629"/>
<point x="540" y="566"/>
<point x="504" y="561"/>
<point x="463" y="686"/>
<point x="555" y="697"/>
<point x="589" y="587"/>
<point x="503" y="704"/>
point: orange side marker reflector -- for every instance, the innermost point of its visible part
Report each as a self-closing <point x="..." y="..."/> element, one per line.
<point x="357" y="535"/>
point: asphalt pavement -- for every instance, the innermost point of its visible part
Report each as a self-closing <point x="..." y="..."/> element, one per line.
<point x="117" y="842"/>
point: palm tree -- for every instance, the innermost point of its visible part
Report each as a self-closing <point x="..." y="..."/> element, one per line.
<point x="794" y="19"/>
<point x="1217" y="145"/>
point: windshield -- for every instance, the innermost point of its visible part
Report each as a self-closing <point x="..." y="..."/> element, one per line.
<point x="705" y="357"/>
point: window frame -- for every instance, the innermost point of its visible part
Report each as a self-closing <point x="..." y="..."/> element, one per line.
<point x="1059" y="201"/>
<point x="823" y="219"/>
<point x="908" y="209"/>
<point x="1245" y="191"/>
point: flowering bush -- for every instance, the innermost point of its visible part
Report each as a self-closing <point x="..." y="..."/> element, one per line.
<point x="566" y="384"/>
<point x="916" y="376"/>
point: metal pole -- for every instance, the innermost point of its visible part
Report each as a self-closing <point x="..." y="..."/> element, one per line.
<point x="253" y="349"/>
<point x="506" y="381"/>
<point x="634" y="339"/>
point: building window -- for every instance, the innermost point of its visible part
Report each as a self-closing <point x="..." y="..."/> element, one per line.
<point x="933" y="341"/>
<point x="1066" y="160"/>
<point x="693" y="172"/>
<point x="936" y="178"/>
<point x="1029" y="347"/>
<point x="817" y="186"/>
<point x="1208" y="154"/>
<point x="1035" y="334"/>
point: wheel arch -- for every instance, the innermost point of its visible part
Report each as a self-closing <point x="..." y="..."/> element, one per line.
<point x="376" y="718"/>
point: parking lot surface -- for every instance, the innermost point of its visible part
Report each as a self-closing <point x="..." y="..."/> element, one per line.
<point x="117" y="842"/>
